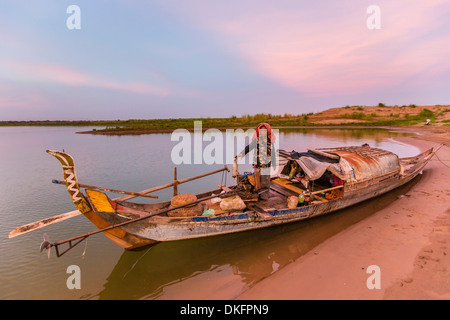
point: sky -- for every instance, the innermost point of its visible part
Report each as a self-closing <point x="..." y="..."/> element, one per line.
<point x="215" y="58"/>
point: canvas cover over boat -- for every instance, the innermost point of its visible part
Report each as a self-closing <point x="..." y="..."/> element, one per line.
<point x="347" y="163"/>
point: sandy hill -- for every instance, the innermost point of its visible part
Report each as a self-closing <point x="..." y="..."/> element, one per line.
<point x="351" y="114"/>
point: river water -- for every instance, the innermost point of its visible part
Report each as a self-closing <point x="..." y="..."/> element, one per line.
<point x="211" y="268"/>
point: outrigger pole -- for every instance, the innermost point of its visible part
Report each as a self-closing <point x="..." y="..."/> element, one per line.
<point x="45" y="222"/>
<point x="137" y="194"/>
<point x="78" y="239"/>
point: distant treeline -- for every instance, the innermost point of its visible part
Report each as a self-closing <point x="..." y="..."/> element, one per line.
<point x="155" y="124"/>
<point x="57" y="123"/>
<point x="285" y="120"/>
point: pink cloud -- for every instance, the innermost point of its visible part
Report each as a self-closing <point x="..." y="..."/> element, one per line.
<point x="23" y="101"/>
<point x="325" y="48"/>
<point x="12" y="98"/>
<point x="54" y="73"/>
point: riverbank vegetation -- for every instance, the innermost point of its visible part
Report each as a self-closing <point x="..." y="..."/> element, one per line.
<point x="380" y="115"/>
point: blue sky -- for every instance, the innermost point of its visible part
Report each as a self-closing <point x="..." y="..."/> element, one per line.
<point x="199" y="58"/>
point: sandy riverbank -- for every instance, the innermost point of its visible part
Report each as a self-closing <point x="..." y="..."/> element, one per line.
<point x="409" y="241"/>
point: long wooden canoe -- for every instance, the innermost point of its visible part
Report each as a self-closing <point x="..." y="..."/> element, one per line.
<point x="364" y="173"/>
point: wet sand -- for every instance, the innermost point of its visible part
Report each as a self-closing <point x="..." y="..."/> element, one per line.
<point x="409" y="241"/>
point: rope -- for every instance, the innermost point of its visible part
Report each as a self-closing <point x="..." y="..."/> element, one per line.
<point x="85" y="247"/>
<point x="442" y="160"/>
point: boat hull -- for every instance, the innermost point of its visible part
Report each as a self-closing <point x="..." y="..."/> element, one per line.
<point x="120" y="237"/>
<point x="158" y="228"/>
<point x="197" y="227"/>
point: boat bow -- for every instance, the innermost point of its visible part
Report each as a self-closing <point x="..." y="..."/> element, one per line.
<point x="71" y="180"/>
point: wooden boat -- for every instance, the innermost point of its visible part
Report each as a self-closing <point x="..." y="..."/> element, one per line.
<point x="359" y="173"/>
<point x="363" y="173"/>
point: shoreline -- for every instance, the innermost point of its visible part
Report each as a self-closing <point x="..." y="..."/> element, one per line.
<point x="409" y="241"/>
<point x="406" y="128"/>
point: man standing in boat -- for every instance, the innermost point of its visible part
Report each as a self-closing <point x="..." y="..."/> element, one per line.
<point x="261" y="143"/>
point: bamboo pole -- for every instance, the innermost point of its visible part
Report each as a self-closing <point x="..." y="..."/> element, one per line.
<point x="175" y="182"/>
<point x="137" y="194"/>
<point x="178" y="182"/>
<point x="326" y="190"/>
<point x="325" y="154"/>
<point x="48" y="221"/>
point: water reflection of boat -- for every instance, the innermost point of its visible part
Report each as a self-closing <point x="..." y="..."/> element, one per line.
<point x="222" y="267"/>
<point x="361" y="172"/>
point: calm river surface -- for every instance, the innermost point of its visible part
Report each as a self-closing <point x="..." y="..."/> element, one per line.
<point x="210" y="268"/>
